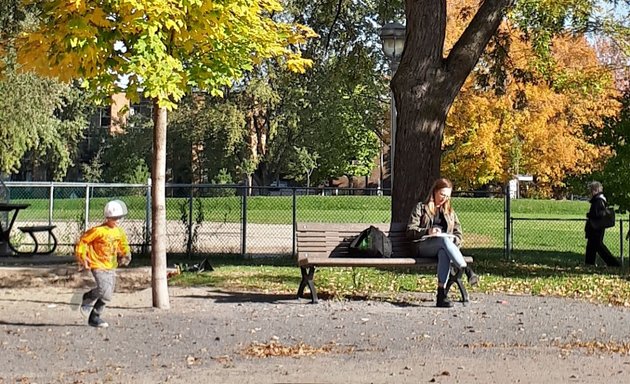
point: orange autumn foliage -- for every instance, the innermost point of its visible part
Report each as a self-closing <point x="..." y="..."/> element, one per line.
<point x="532" y="127"/>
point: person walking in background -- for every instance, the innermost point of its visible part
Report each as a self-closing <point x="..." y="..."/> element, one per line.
<point x="100" y="250"/>
<point x="595" y="233"/>
<point x="435" y="226"/>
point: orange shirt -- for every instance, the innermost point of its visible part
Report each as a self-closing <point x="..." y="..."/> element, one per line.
<point x="101" y="246"/>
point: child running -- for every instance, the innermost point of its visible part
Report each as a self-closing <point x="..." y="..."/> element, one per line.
<point x="100" y="250"/>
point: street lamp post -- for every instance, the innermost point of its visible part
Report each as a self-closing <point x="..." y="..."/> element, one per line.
<point x="393" y="39"/>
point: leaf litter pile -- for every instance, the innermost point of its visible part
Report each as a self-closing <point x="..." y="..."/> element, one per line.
<point x="595" y="347"/>
<point x="276" y="349"/>
<point x="590" y="347"/>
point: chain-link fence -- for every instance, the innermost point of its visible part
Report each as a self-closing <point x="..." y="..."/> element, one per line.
<point x="560" y="239"/>
<point x="552" y="232"/>
<point x="236" y="219"/>
<point x="482" y="215"/>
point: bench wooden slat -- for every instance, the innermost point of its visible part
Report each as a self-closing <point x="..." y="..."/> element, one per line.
<point x="375" y="262"/>
<point x="350" y="227"/>
<point x="323" y="259"/>
<point x="396" y="252"/>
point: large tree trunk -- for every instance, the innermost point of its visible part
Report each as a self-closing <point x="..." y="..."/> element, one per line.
<point x="425" y="87"/>
<point x="159" y="283"/>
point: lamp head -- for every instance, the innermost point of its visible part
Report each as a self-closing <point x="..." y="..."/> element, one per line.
<point x="393" y="37"/>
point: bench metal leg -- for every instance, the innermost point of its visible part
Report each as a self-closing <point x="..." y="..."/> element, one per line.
<point x="307" y="279"/>
<point x="27" y="253"/>
<point x="456" y="278"/>
<point x="54" y="246"/>
<point x="302" y="282"/>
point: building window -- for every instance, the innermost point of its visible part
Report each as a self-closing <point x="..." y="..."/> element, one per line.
<point x="143" y="108"/>
<point x="106" y="117"/>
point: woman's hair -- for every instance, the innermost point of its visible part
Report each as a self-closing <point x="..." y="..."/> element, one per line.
<point x="595" y="187"/>
<point x="437" y="185"/>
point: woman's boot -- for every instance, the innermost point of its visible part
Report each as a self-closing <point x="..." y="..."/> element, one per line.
<point x="442" y="300"/>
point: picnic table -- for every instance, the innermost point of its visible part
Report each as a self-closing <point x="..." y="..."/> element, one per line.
<point x="12" y="211"/>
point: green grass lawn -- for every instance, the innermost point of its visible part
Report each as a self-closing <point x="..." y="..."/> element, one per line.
<point x="278" y="209"/>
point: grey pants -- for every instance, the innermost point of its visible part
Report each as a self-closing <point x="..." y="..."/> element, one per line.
<point x="102" y="293"/>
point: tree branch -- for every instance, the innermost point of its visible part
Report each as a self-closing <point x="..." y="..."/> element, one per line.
<point x="471" y="44"/>
<point x="332" y="25"/>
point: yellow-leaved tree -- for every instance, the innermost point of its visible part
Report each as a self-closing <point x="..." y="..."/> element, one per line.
<point x="527" y="124"/>
<point x="162" y="49"/>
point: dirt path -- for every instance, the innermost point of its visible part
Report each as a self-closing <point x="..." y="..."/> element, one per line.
<point x="210" y="336"/>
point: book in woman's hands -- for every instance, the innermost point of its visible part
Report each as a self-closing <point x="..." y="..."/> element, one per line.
<point x="439" y="234"/>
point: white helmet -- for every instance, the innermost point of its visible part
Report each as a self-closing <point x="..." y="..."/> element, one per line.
<point x="115" y="209"/>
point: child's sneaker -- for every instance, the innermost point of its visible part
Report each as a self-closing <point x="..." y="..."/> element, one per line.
<point x="98" y="323"/>
<point x="85" y="310"/>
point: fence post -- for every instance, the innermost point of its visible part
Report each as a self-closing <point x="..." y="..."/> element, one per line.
<point x="51" y="197"/>
<point x="508" y="220"/>
<point x="87" y="207"/>
<point x="5" y="196"/>
<point x="621" y="242"/>
<point x="190" y="225"/>
<point x="294" y="223"/>
<point x="511" y="232"/>
<point x="244" y="218"/>
<point x="147" y="222"/>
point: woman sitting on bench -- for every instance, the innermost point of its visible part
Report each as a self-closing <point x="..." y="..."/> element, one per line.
<point x="436" y="228"/>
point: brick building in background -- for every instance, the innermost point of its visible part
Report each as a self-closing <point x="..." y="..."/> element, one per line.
<point x="110" y="118"/>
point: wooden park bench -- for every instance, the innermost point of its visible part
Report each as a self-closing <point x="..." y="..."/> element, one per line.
<point x="326" y="245"/>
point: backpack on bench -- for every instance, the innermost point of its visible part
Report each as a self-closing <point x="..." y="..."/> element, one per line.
<point x="371" y="242"/>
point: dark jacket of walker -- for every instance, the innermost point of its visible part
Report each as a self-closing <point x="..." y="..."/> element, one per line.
<point x="597" y="211"/>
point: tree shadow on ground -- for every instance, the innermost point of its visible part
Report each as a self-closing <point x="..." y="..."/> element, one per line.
<point x="66" y="303"/>
<point x="22" y="324"/>
<point x="529" y="263"/>
<point x="268" y="278"/>
<point x="224" y="296"/>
